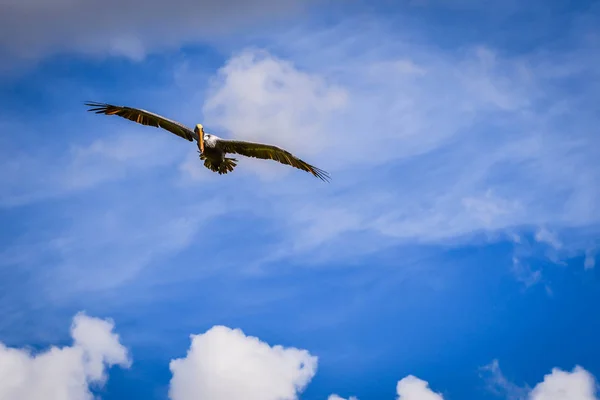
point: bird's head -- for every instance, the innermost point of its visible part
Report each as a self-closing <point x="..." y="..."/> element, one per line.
<point x="199" y="130"/>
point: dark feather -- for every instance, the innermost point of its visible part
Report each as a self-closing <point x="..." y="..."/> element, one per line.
<point x="143" y="117"/>
<point x="269" y="152"/>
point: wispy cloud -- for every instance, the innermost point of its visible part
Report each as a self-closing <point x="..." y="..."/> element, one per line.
<point x="500" y="385"/>
<point x="590" y="259"/>
<point x="543" y="235"/>
<point x="34" y="176"/>
<point x="525" y="274"/>
<point x="456" y="178"/>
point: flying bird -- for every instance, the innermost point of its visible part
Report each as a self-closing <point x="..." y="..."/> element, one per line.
<point x="212" y="148"/>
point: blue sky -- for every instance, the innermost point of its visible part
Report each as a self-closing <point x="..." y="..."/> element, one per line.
<point x="454" y="250"/>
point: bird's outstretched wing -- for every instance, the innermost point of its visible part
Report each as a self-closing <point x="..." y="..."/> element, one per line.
<point x="143" y="117"/>
<point x="269" y="152"/>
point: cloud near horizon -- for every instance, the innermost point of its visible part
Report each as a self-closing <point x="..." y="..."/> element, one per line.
<point x="65" y="373"/>
<point x="224" y="363"/>
<point x="579" y="384"/>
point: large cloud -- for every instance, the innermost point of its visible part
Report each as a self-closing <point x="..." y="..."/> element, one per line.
<point x="578" y="384"/>
<point x="413" y="388"/>
<point x="261" y="97"/>
<point x="34" y="28"/>
<point x="63" y="373"/>
<point x="224" y="364"/>
<point x="369" y="122"/>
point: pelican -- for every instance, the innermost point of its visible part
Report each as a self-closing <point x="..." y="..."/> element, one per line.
<point x="212" y="149"/>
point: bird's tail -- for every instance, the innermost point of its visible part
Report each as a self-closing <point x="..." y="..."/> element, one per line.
<point x="227" y="165"/>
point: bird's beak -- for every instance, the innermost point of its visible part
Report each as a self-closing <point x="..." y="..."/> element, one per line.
<point x="200" y="130"/>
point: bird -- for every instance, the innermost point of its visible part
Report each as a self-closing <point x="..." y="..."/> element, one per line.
<point x="212" y="149"/>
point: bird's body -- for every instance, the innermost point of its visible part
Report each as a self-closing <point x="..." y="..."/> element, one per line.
<point x="214" y="156"/>
<point x="212" y="149"/>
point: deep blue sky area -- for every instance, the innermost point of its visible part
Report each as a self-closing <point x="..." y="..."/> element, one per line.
<point x="452" y="256"/>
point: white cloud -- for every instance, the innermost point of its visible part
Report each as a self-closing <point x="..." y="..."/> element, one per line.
<point x="224" y="363"/>
<point x="488" y="208"/>
<point x="413" y="388"/>
<point x="563" y="385"/>
<point x="578" y="384"/>
<point x="259" y="97"/>
<point x="63" y="373"/>
<point x="408" y="388"/>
